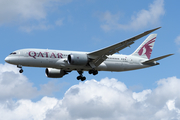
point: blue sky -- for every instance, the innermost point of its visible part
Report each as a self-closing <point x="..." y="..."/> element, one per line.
<point x="88" y="25"/>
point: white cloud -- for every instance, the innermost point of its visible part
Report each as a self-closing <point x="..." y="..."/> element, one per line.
<point x="26" y="10"/>
<point x="59" y="22"/>
<point x="90" y="100"/>
<point x="142" y="19"/>
<point x="171" y="104"/>
<point x="41" y="26"/>
<point x="16" y="85"/>
<point x="177" y="40"/>
<point x="111" y="99"/>
<point x="18" y="12"/>
<point x="141" y="96"/>
<point x="26" y="109"/>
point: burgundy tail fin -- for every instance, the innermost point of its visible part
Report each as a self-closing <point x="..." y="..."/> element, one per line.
<point x="145" y="49"/>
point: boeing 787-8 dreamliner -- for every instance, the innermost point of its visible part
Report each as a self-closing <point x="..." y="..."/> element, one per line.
<point x="59" y="63"/>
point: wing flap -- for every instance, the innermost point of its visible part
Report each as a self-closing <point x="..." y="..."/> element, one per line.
<point x="97" y="61"/>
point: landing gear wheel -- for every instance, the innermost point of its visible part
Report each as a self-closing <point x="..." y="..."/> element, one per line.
<point x="90" y="71"/>
<point x="78" y="77"/>
<point x="21" y="71"/>
<point x="94" y="72"/>
<point x="83" y="78"/>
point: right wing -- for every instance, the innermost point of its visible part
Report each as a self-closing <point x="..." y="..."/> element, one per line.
<point x="97" y="57"/>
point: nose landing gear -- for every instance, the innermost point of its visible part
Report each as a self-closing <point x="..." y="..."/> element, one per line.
<point x="21" y="70"/>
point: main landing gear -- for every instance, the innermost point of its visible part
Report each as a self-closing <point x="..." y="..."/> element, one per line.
<point x="94" y="72"/>
<point x="81" y="77"/>
<point x="21" y="70"/>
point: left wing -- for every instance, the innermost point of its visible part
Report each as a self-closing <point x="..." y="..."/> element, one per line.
<point x="97" y="57"/>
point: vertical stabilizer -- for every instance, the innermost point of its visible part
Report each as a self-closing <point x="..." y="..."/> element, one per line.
<point x="145" y="49"/>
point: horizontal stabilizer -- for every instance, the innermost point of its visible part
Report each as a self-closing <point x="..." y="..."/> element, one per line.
<point x="156" y="59"/>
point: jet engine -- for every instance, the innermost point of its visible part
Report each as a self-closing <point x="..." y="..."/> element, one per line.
<point x="54" y="73"/>
<point x="77" y="59"/>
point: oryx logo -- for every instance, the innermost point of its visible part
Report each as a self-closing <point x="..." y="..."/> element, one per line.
<point x="146" y="49"/>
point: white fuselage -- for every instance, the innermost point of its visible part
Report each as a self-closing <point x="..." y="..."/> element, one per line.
<point x="59" y="63"/>
<point x="58" y="59"/>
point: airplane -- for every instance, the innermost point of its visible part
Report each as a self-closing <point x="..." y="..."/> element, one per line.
<point x="60" y="62"/>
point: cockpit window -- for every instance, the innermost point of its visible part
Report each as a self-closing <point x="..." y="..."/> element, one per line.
<point x="13" y="53"/>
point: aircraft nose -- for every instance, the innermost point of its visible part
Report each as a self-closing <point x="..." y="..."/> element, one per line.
<point x="7" y="59"/>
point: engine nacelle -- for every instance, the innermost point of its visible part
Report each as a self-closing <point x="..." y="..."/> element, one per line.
<point x="54" y="73"/>
<point x="77" y="59"/>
